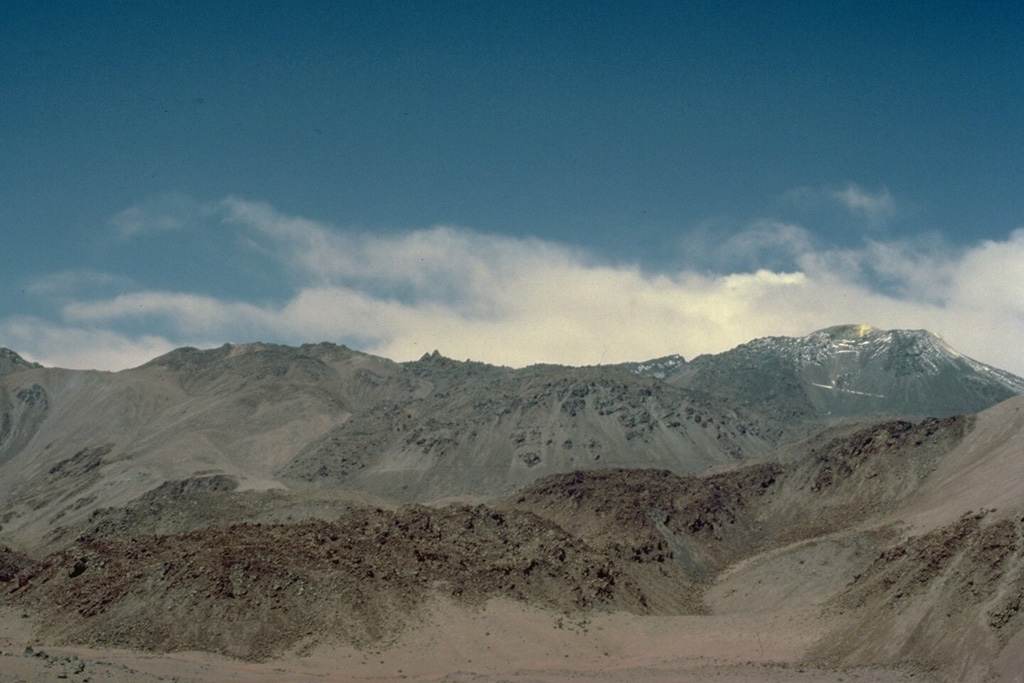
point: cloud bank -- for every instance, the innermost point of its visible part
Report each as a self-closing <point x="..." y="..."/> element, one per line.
<point x="517" y="301"/>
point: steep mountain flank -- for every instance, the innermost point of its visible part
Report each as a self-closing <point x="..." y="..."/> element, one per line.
<point x="949" y="598"/>
<point x="948" y="591"/>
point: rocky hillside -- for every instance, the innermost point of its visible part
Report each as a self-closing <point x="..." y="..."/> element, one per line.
<point x="484" y="430"/>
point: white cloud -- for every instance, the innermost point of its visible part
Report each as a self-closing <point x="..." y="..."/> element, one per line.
<point x="187" y="314"/>
<point x="68" y="282"/>
<point x="516" y="302"/>
<point x="765" y="244"/>
<point x="62" y="345"/>
<point x="878" y="207"/>
<point x="163" y="213"/>
<point x="992" y="275"/>
<point x="439" y="262"/>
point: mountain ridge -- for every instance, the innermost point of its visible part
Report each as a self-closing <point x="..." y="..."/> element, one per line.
<point x="930" y="347"/>
<point x="326" y="417"/>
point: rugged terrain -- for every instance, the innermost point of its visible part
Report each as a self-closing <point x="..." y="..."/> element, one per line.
<point x="317" y="507"/>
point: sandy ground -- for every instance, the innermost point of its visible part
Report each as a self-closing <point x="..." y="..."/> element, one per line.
<point x="503" y="641"/>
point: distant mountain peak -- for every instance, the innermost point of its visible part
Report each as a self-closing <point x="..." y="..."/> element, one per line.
<point x="851" y="370"/>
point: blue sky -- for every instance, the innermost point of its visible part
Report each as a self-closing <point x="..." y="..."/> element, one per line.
<point x="510" y="182"/>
